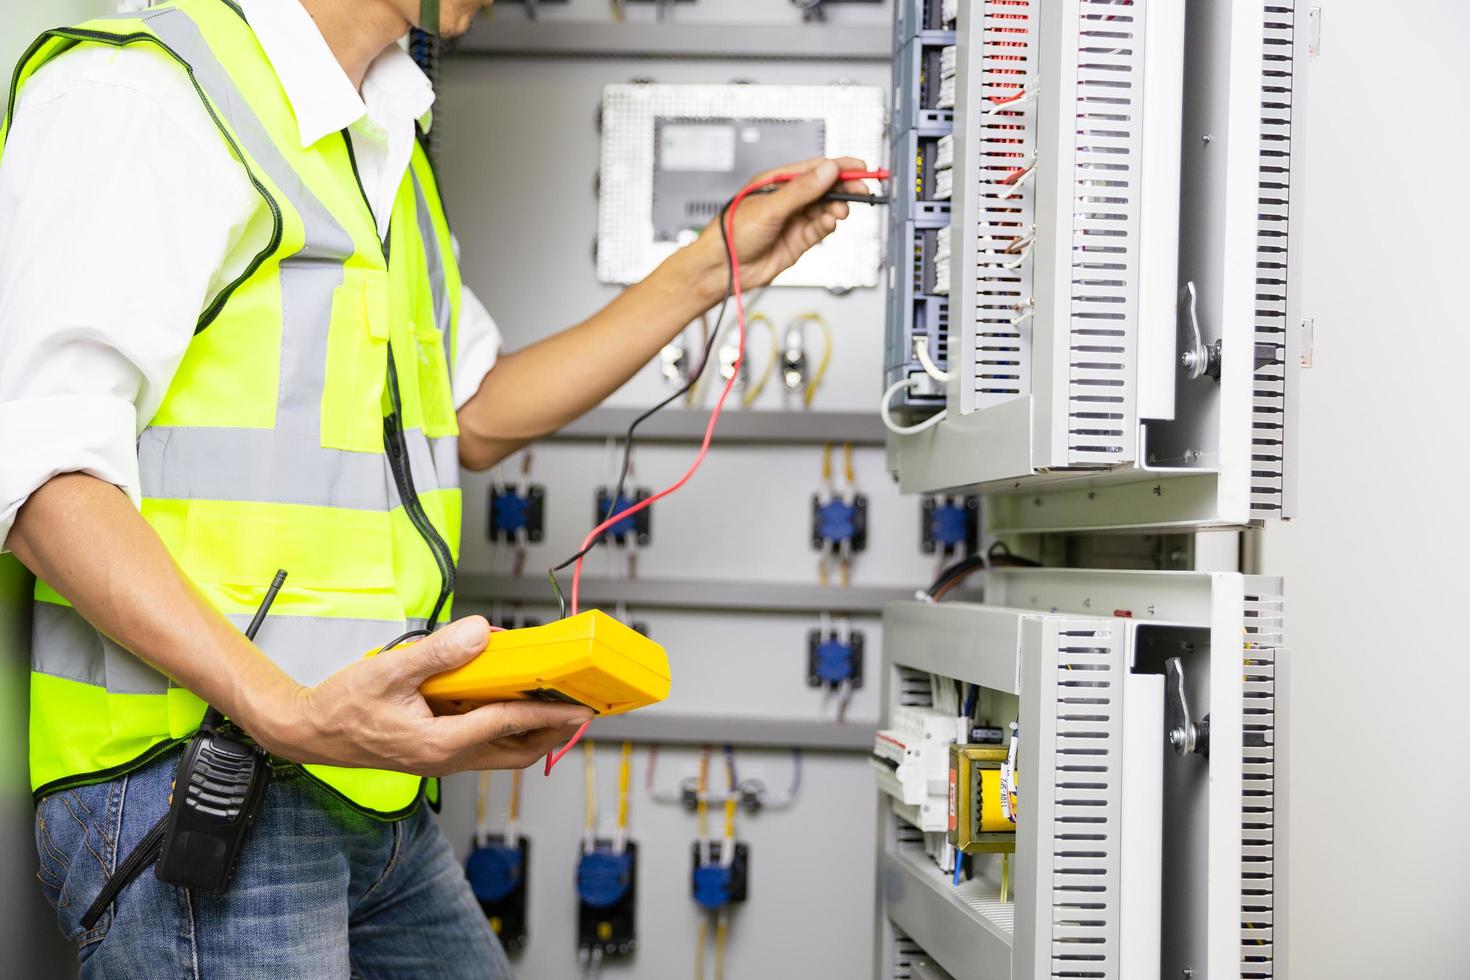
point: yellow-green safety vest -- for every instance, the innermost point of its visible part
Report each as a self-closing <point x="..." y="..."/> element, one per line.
<point x="310" y="426"/>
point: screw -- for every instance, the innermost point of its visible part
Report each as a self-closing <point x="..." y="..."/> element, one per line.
<point x="1158" y="490"/>
<point x="1189" y="970"/>
<point x="1206" y="139"/>
<point x="1092" y="495"/>
<point x="1176" y="739"/>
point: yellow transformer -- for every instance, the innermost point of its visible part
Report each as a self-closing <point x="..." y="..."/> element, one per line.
<point x="590" y="659"/>
<point x="977" y="823"/>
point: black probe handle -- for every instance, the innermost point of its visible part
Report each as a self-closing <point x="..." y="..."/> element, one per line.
<point x="855" y="198"/>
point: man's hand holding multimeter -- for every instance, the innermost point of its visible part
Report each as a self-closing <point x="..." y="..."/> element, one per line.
<point x="373" y="714"/>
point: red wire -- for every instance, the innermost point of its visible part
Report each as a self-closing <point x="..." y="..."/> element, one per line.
<point x="714" y="416"/>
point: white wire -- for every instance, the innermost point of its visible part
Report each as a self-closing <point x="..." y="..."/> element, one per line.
<point x="886" y="412"/>
<point x="1026" y="96"/>
<point x="1020" y="181"/>
<point x="921" y="351"/>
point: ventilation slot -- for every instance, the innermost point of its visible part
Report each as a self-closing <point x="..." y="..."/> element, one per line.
<point x="1268" y="421"/>
<point x="1263" y="637"/>
<point x="1104" y="232"/>
<point x="906" y="953"/>
<point x="1006" y="229"/>
<point x="914" y="690"/>
<point x="1085" y="804"/>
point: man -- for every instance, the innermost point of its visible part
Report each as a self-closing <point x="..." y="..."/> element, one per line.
<point x="228" y="290"/>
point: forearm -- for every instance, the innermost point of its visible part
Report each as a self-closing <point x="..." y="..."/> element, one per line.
<point x="85" y="539"/>
<point x="535" y="391"/>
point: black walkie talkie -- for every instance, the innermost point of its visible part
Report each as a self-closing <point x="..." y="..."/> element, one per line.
<point x="217" y="794"/>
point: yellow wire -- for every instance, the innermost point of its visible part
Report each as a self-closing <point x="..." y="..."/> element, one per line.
<point x="515" y="794"/>
<point x="484" y="791"/>
<point x="1005" y="876"/>
<point x="699" y="947"/>
<point x="722" y="936"/>
<point x="730" y="819"/>
<point x="826" y="462"/>
<point x="821" y="371"/>
<point x="847" y="470"/>
<point x="589" y="776"/>
<point x="754" y="391"/>
<point x="625" y="775"/>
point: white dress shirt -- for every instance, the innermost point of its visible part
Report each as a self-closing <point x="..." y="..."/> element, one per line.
<point x="122" y="213"/>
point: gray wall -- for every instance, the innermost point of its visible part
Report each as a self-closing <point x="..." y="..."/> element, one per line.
<point x="1379" y="863"/>
<point x="30" y="944"/>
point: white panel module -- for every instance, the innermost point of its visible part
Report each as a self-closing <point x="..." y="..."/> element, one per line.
<point x="708" y="136"/>
<point x="1135" y="859"/>
<point x="1084" y="376"/>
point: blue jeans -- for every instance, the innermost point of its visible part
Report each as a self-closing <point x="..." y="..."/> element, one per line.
<point x="322" y="891"/>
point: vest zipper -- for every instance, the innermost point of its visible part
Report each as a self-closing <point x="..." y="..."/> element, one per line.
<point x="397" y="445"/>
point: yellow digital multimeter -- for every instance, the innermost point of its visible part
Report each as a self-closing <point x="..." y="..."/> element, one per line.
<point x="589" y="659"/>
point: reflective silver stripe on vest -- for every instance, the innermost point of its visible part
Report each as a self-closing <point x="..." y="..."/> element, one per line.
<point x="268" y="466"/>
<point x="66" y="645"/>
<point x="312" y="649"/>
<point x="309" y="649"/>
<point x="435" y="258"/>
<point x="309" y="277"/>
<point x="187" y="463"/>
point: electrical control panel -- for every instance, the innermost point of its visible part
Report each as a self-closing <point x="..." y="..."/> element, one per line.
<point x="1119" y="343"/>
<point x="1119" y="805"/>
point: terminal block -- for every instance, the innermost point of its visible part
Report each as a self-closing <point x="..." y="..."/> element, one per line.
<point x="833" y="660"/>
<point x="949" y="525"/>
<point x="607" y="894"/>
<point x="840" y="525"/>
<point x="635" y="529"/>
<point x="715" y="883"/>
<point x="497" y="873"/>
<point x="517" y="514"/>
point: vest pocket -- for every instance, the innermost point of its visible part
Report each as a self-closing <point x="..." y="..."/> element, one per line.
<point x="436" y="391"/>
<point x="357" y="362"/>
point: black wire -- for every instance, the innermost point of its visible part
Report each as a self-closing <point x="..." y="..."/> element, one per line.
<point x="1000" y="553"/>
<point x="961" y="568"/>
<point x="406" y="636"/>
<point x="628" y="438"/>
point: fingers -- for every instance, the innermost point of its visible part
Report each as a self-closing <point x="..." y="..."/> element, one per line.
<point x="521" y="751"/>
<point x="809" y="185"/>
<point x="450" y="647"/>
<point x="474" y="730"/>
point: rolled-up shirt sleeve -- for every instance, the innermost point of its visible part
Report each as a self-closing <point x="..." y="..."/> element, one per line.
<point x="121" y="213"/>
<point x="476" y="349"/>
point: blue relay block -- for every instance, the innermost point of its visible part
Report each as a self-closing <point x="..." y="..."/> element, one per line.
<point x="497" y="874"/>
<point x="633" y="529"/>
<point x="716" y="885"/>
<point x="949" y="525"/>
<point x="607" y="898"/>
<point x="832" y="660"/>
<point x="838" y="523"/>
<point x="515" y="515"/>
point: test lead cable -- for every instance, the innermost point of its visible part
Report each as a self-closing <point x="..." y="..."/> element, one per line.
<point x="727" y="233"/>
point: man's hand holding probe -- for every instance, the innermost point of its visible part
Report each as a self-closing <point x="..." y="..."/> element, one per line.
<point x="89" y="542"/>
